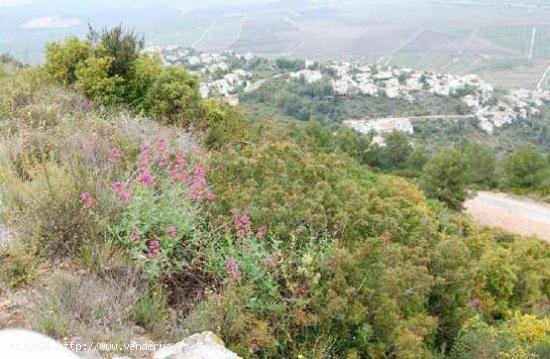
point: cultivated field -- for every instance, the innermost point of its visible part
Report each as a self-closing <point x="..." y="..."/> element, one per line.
<point x="508" y="45"/>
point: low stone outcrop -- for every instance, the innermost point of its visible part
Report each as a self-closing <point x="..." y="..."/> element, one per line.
<point x="20" y="343"/>
<point x="205" y="345"/>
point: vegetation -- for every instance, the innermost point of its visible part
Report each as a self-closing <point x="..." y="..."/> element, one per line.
<point x="275" y="234"/>
<point x="109" y="69"/>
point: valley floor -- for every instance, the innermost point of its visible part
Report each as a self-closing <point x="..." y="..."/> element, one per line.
<point x="513" y="214"/>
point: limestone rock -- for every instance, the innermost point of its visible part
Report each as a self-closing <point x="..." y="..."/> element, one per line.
<point x="205" y="345"/>
<point x="5" y="238"/>
<point x="19" y="343"/>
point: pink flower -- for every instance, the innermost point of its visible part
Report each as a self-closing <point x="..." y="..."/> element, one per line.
<point x="153" y="248"/>
<point x="145" y="156"/>
<point x="475" y="303"/>
<point x="242" y="223"/>
<point x="145" y="178"/>
<point x="134" y="235"/>
<point x="87" y="200"/>
<point x="210" y="197"/>
<point x="115" y="155"/>
<point x="180" y="158"/>
<point x="118" y="187"/>
<point x="178" y="172"/>
<point x="162" y="146"/>
<point x="261" y="232"/>
<point x="171" y="231"/>
<point x="198" y="186"/>
<point x="162" y="154"/>
<point x="232" y="269"/>
<point x="124" y="197"/>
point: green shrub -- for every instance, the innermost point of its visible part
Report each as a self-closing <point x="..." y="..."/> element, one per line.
<point x="18" y="268"/>
<point x="394" y="155"/>
<point x="120" y="44"/>
<point x="150" y="312"/>
<point x="160" y="210"/>
<point x="145" y="69"/>
<point x="64" y="58"/>
<point x="174" y="96"/>
<point x="525" y="168"/>
<point x="224" y="124"/>
<point x="288" y="186"/>
<point x="481" y="162"/>
<point x="362" y="300"/>
<point x="445" y="177"/>
<point x="94" y="82"/>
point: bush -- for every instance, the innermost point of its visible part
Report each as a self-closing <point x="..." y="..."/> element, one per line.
<point x="94" y="309"/>
<point x="64" y="58"/>
<point x="94" y="82"/>
<point x="224" y="124"/>
<point x="145" y="69"/>
<point x="290" y="65"/>
<point x="445" y="178"/>
<point x="160" y="209"/>
<point x="525" y="168"/>
<point x="18" y="268"/>
<point x="394" y="155"/>
<point x="109" y="69"/>
<point x="362" y="300"/>
<point x="122" y="45"/>
<point x="174" y="96"/>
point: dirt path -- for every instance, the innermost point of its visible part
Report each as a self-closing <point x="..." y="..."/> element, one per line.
<point x="518" y="215"/>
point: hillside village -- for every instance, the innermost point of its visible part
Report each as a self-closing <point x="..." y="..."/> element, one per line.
<point x="229" y="74"/>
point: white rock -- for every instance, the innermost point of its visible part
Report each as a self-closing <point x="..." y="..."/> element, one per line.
<point x="5" y="237"/>
<point x="23" y="344"/>
<point x="205" y="345"/>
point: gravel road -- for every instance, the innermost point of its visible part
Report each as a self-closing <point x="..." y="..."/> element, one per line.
<point x="518" y="215"/>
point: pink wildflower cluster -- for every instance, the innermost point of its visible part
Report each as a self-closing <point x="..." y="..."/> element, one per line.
<point x="261" y="233"/>
<point x="242" y="223"/>
<point x="153" y="248"/>
<point x="86" y="200"/>
<point x="162" y="154"/>
<point x="144" y="163"/>
<point x="475" y="302"/>
<point x="197" y="185"/>
<point x="146" y="178"/>
<point x="123" y="195"/>
<point x="178" y="172"/>
<point x="171" y="231"/>
<point x="134" y="236"/>
<point x="232" y="269"/>
<point x="115" y="155"/>
<point x="145" y="156"/>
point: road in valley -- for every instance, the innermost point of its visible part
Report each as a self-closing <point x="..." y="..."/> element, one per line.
<point x="514" y="214"/>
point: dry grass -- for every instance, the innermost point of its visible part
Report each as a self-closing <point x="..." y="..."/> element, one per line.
<point x="53" y="146"/>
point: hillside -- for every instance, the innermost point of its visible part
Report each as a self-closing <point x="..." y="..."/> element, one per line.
<point x="436" y="109"/>
<point x="136" y="210"/>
